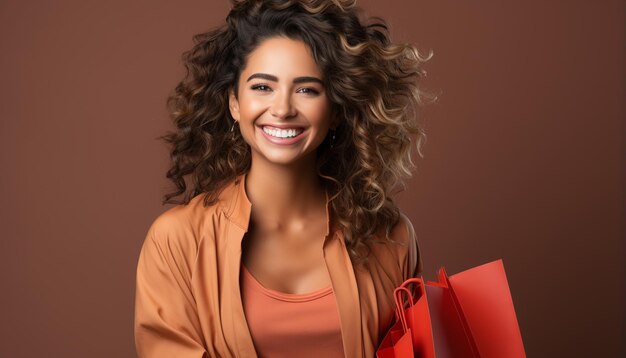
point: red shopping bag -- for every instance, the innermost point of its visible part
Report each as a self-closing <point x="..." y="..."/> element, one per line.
<point x="469" y="314"/>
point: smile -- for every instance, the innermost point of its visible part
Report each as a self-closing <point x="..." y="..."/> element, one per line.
<point x="282" y="136"/>
<point x="282" y="133"/>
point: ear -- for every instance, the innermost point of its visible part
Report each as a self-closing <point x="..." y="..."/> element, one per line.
<point x="233" y="104"/>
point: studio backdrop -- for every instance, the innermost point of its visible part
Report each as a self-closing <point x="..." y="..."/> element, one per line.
<point x="524" y="160"/>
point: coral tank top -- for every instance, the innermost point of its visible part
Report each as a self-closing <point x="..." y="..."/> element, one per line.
<point x="291" y="325"/>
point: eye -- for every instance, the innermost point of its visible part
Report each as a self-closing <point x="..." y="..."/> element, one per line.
<point x="260" y="87"/>
<point x="308" y="90"/>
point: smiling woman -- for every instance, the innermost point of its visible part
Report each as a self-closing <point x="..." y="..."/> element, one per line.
<point x="294" y="124"/>
<point x="281" y="106"/>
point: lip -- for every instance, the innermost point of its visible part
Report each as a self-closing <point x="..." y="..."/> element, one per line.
<point x="282" y="141"/>
<point x="282" y="126"/>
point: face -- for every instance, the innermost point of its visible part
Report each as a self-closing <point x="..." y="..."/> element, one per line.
<point x="281" y="105"/>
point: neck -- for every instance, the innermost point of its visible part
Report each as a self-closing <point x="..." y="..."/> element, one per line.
<point x="283" y="195"/>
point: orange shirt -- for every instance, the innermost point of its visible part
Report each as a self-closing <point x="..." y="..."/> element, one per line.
<point x="291" y="325"/>
<point x="188" y="296"/>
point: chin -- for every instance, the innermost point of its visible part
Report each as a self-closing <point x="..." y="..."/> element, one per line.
<point x="280" y="156"/>
<point x="283" y="159"/>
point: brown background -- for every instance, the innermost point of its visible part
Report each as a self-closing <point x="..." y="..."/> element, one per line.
<point x="524" y="161"/>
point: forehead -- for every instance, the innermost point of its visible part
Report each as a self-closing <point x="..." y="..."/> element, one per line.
<point x="282" y="57"/>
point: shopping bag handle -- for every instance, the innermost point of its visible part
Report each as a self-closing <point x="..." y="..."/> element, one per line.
<point x="400" y="306"/>
<point x="400" y="303"/>
<point x="416" y="280"/>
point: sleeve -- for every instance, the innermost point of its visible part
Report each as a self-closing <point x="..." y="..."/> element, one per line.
<point x="166" y="320"/>
<point x="412" y="262"/>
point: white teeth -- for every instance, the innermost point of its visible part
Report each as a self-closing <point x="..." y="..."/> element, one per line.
<point x="281" y="133"/>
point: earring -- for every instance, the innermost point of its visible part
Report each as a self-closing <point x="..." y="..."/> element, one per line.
<point x="233" y="136"/>
<point x="332" y="138"/>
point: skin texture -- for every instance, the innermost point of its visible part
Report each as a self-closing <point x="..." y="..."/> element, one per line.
<point x="283" y="247"/>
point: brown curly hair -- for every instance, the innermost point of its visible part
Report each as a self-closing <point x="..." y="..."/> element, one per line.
<point x="371" y="82"/>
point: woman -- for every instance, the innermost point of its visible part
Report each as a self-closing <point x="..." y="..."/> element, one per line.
<point x="294" y="123"/>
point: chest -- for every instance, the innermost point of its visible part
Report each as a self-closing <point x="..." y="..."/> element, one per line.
<point x="286" y="264"/>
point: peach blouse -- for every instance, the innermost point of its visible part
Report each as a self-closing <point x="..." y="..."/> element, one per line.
<point x="291" y="325"/>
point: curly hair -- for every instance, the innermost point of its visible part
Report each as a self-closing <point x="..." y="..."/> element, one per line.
<point x="372" y="85"/>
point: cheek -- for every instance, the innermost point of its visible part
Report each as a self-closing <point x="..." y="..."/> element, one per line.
<point x="319" y="113"/>
<point x="251" y="107"/>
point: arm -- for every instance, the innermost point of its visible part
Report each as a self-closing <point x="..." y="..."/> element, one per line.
<point x="412" y="262"/>
<point x="166" y="319"/>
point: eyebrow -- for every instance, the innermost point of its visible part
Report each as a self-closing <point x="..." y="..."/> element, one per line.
<point x="296" y="80"/>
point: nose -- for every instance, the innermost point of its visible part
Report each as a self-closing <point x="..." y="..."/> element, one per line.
<point x="282" y="106"/>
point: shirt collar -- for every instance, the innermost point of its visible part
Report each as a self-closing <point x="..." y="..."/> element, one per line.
<point x="237" y="206"/>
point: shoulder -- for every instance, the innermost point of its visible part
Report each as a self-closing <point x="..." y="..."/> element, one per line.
<point x="400" y="249"/>
<point x="410" y="253"/>
<point x="403" y="231"/>
<point x="197" y="219"/>
<point x="182" y="225"/>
